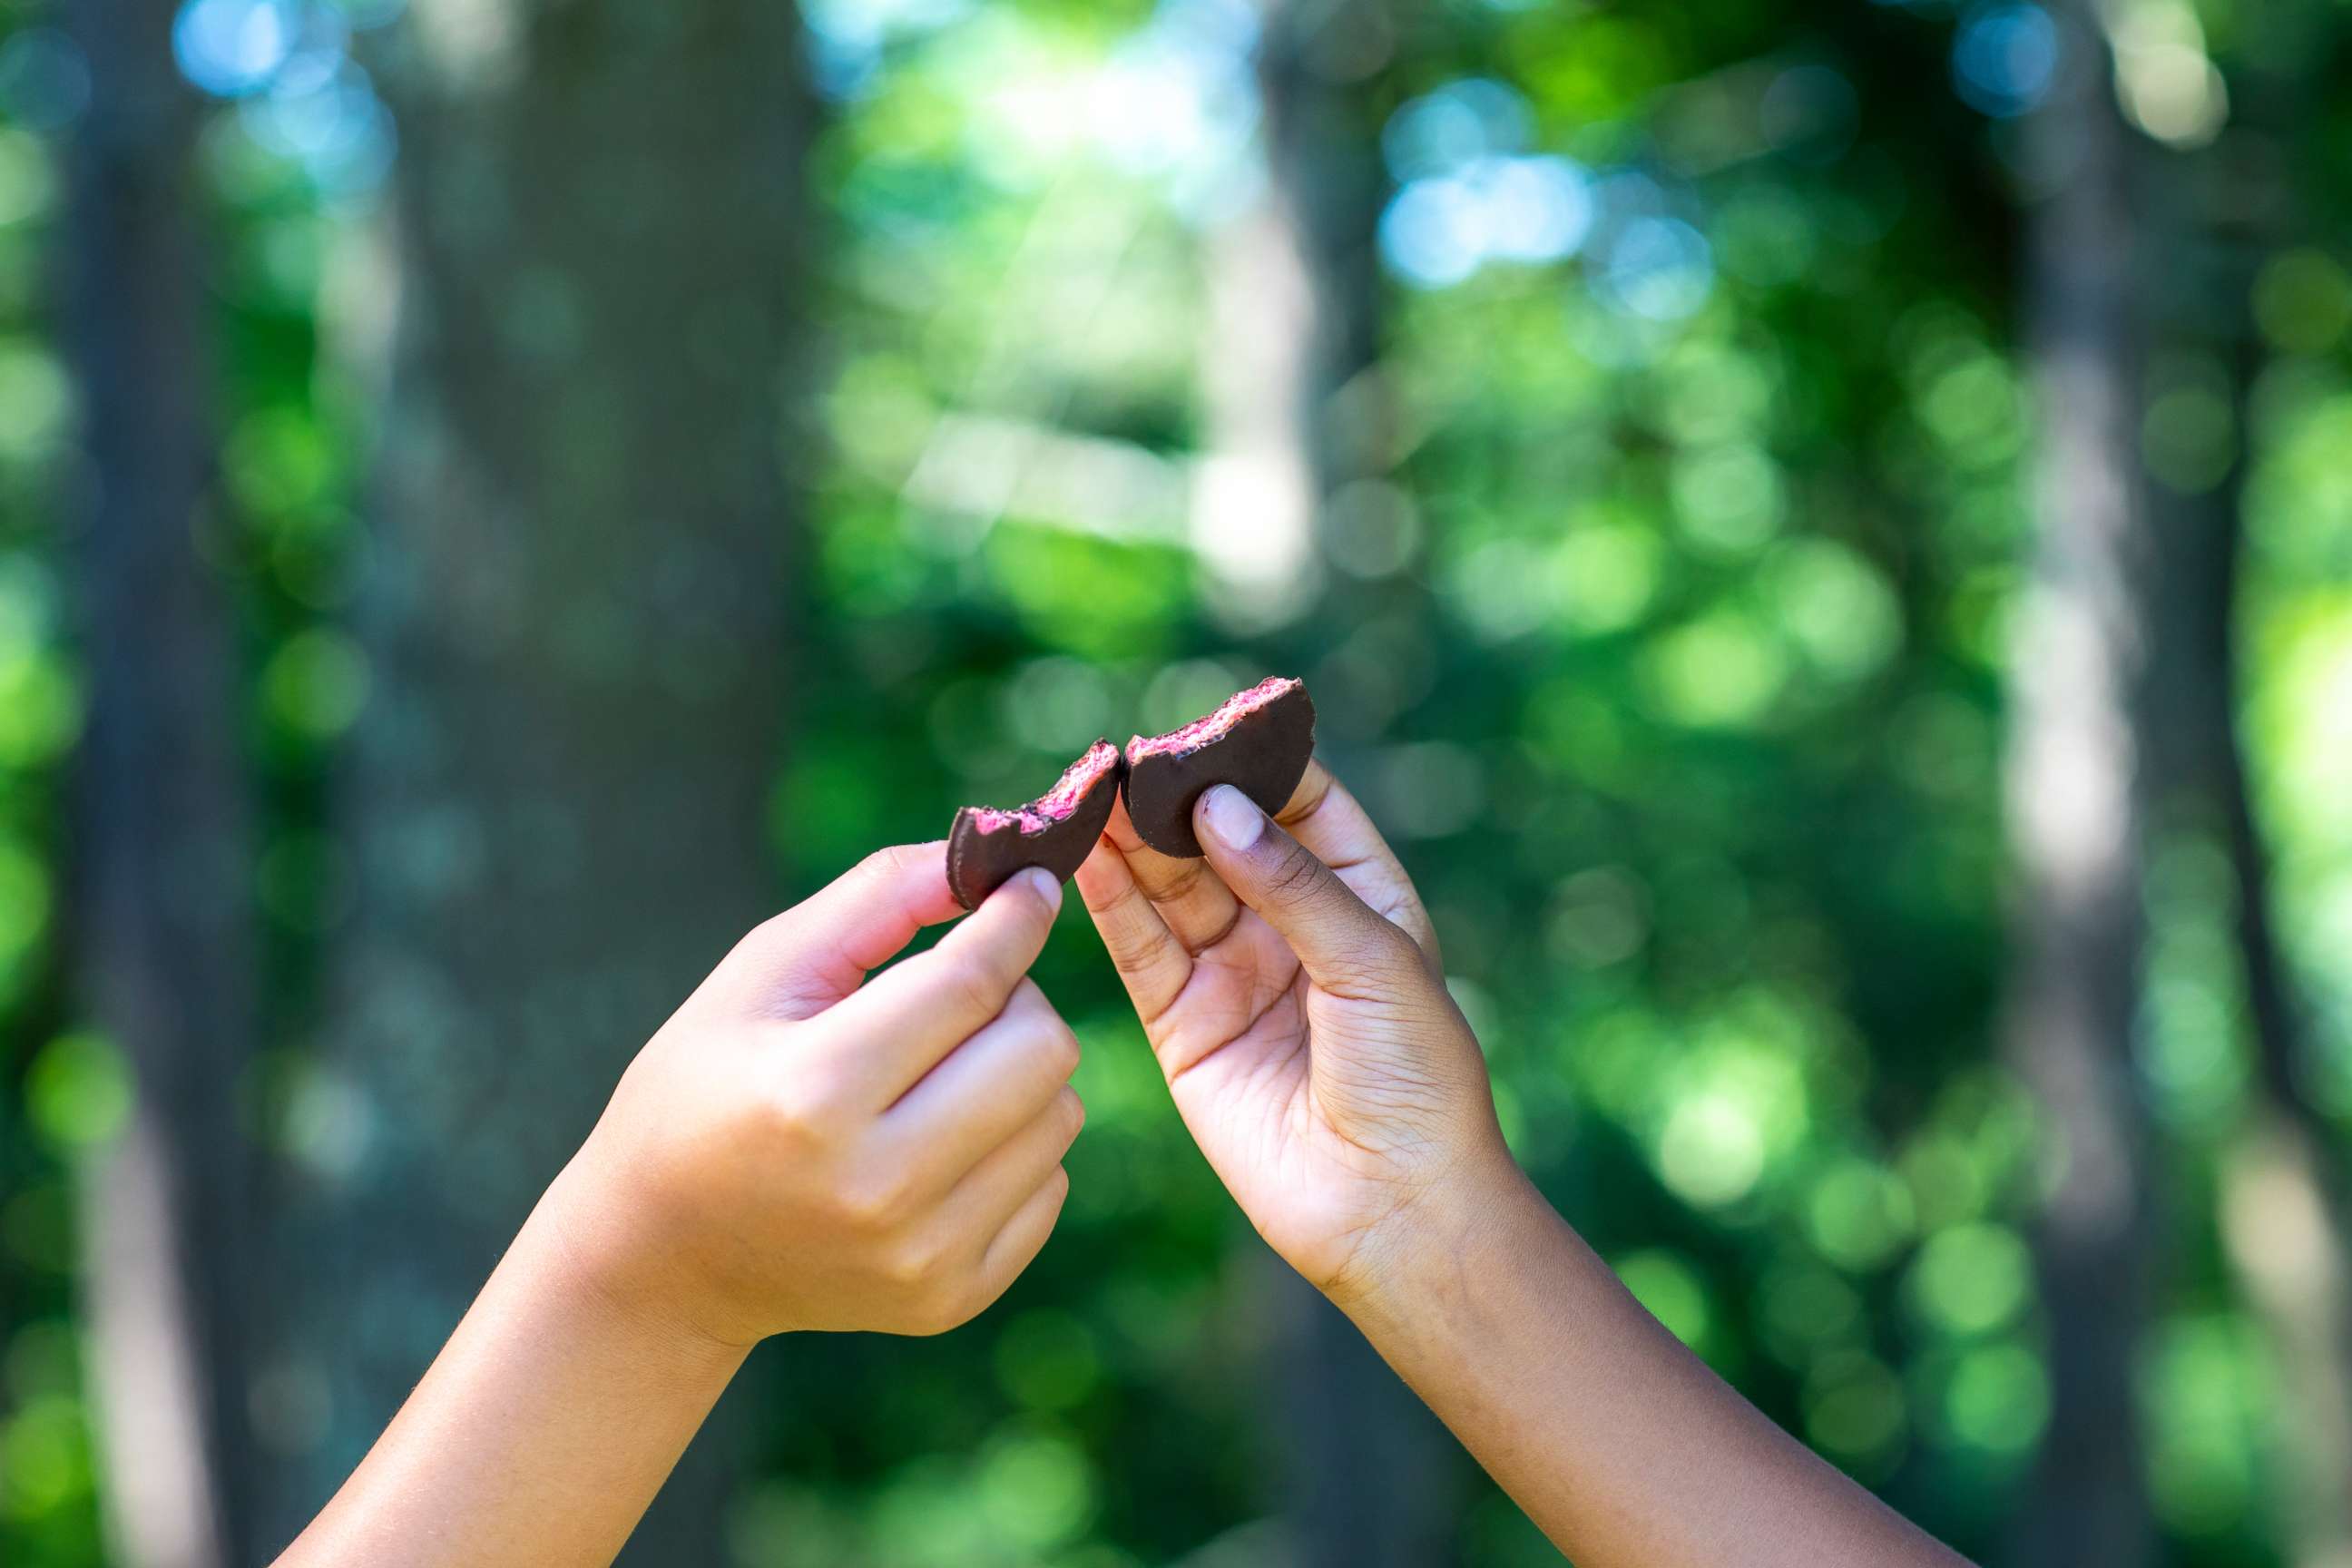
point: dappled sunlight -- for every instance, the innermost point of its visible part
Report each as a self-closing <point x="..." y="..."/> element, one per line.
<point x="1627" y="423"/>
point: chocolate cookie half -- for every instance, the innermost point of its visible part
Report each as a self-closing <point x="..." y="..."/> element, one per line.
<point x="1056" y="830"/>
<point x="1257" y="741"/>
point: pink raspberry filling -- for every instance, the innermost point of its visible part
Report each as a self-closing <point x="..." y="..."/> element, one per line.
<point x="1078" y="780"/>
<point x="1200" y="731"/>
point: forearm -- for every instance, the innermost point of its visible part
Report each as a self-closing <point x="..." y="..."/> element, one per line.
<point x="540" y="1434"/>
<point x="1621" y="1445"/>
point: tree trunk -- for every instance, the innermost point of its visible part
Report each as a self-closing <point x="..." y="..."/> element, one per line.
<point x="1370" y="1480"/>
<point x="2287" y="1210"/>
<point x="578" y="627"/>
<point x="2286" y="1216"/>
<point x="2074" y="791"/>
<point x="1294" y="314"/>
<point x="160" y="937"/>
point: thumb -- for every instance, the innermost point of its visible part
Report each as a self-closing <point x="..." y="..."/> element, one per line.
<point x="1344" y="945"/>
<point x="802" y="962"/>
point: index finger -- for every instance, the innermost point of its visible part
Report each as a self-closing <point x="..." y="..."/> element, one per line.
<point x="1197" y="909"/>
<point x="896" y="1027"/>
<point x="1152" y="962"/>
<point x="1322" y="816"/>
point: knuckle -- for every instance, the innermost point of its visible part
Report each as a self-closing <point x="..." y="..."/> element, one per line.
<point x="1060" y="1052"/>
<point x="1179" y="883"/>
<point x="884" y="864"/>
<point x="1384" y="960"/>
<point x="776" y="944"/>
<point x="800" y="1110"/>
<point x="1036" y="907"/>
<point x="1296" y="874"/>
<point x="966" y="982"/>
<point x="947" y="1310"/>
<point x="1028" y="1001"/>
<point x="1393" y="947"/>
<point x="778" y="932"/>
<point x="912" y="1264"/>
<point x="1072" y="1110"/>
<point x="1314" y="788"/>
<point x="873" y="1202"/>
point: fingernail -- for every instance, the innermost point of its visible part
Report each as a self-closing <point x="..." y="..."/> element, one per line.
<point x="1233" y="817"/>
<point x="1048" y="886"/>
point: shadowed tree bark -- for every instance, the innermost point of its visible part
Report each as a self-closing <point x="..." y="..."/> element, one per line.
<point x="578" y="628"/>
<point x="2287" y="1194"/>
<point x="2075" y="801"/>
<point x="160" y="922"/>
<point x="1293" y="408"/>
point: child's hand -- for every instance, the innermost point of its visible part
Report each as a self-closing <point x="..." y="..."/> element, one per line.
<point x="795" y="1150"/>
<point x="1291" y="990"/>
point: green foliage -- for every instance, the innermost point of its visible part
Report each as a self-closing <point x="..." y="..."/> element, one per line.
<point x="53" y="1091"/>
<point x="1666" y="640"/>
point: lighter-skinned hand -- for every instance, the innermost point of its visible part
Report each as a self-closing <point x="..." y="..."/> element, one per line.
<point x="800" y="1147"/>
<point x="1290" y="987"/>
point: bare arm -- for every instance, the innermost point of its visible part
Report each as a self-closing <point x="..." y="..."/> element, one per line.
<point x="1291" y="989"/>
<point x="1618" y="1441"/>
<point x="797" y="1149"/>
<point x="542" y="1430"/>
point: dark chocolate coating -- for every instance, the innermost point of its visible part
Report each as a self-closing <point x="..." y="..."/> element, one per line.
<point x="980" y="862"/>
<point x="1263" y="755"/>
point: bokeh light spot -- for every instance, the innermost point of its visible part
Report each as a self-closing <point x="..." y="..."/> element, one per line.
<point x="231" y="48"/>
<point x="1711" y="1150"/>
<point x="1835" y="607"/>
<point x="44" y="1456"/>
<point x="1460" y="123"/>
<point x="44" y="79"/>
<point x="1854" y="1407"/>
<point x="1728" y="499"/>
<point x="34" y="399"/>
<point x="1608" y="575"/>
<point x="2302" y="301"/>
<point x="2004" y="59"/>
<point x="1441" y="229"/>
<point x="1657" y="268"/>
<point x="1036" y="1490"/>
<point x="26" y="181"/>
<point x="1971" y="1278"/>
<point x="1998" y="1398"/>
<point x="24" y="907"/>
<point x="78" y="1091"/>
<point x="1720" y="671"/>
<point x="2210" y="1399"/>
<point x="40" y="707"/>
<point x="315" y="685"/>
<point x="1858" y="1214"/>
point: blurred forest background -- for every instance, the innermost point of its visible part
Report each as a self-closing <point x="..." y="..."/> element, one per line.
<point x="1824" y="533"/>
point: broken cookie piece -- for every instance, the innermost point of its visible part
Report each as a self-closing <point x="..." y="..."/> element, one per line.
<point x="1056" y="831"/>
<point x="1258" y="740"/>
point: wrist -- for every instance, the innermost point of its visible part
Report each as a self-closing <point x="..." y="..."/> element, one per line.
<point x="1422" y="1251"/>
<point x="586" y="1255"/>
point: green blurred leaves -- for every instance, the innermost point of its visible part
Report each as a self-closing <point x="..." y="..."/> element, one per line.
<point x="78" y="1093"/>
